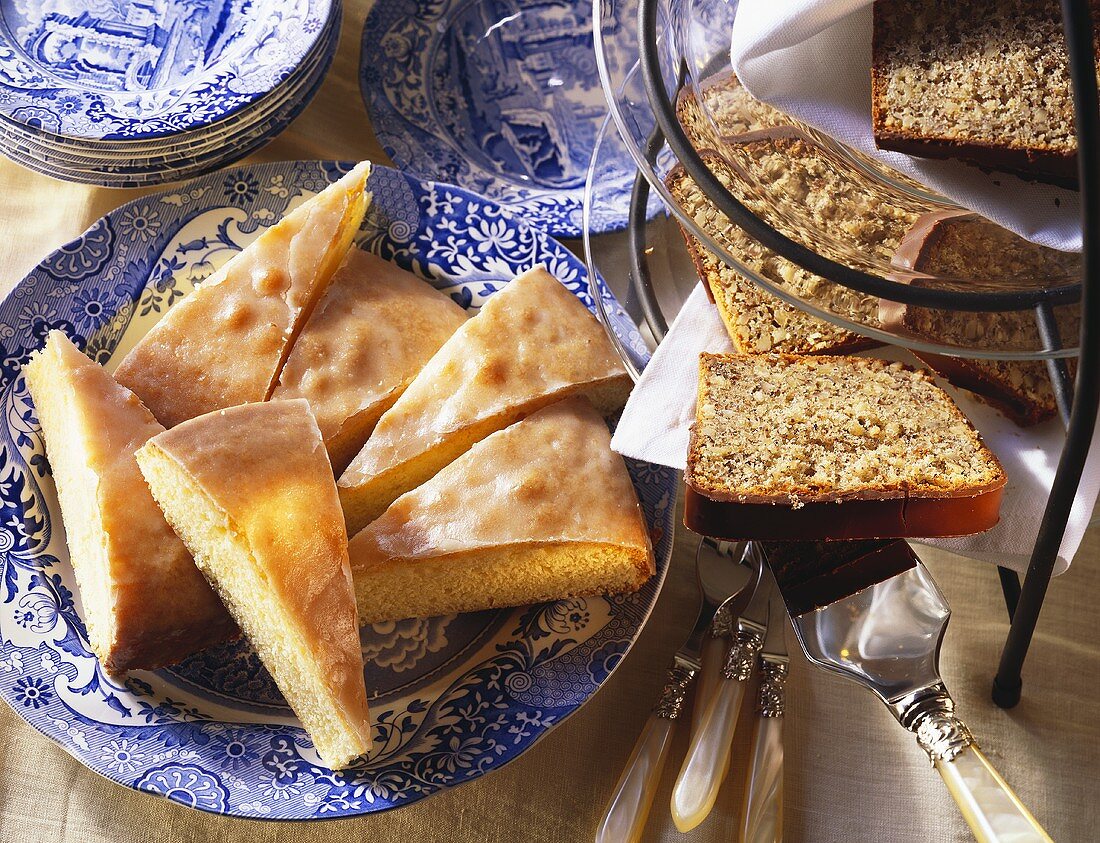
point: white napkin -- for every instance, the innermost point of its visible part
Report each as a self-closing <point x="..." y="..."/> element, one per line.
<point x="655" y="424"/>
<point x="812" y="59"/>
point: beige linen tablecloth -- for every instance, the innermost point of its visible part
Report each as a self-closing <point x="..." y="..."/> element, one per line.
<point x="851" y="773"/>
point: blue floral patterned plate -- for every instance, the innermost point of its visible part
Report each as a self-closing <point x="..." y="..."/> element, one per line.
<point x="141" y="69"/>
<point x="499" y="96"/>
<point x="454" y="697"/>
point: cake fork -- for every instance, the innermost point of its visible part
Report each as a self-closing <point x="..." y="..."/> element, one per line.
<point x="708" y="756"/>
<point x="725" y="584"/>
<point x="887" y="638"/>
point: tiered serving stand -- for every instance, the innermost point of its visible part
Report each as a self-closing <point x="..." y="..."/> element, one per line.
<point x="648" y="52"/>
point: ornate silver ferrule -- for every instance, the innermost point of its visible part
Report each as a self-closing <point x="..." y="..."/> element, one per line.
<point x="741" y="658"/>
<point x="671" y="702"/>
<point x="721" y="625"/>
<point x="929" y="713"/>
<point x="772" y="699"/>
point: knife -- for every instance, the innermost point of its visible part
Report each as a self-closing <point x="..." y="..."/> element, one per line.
<point x="762" y="817"/>
<point x="708" y="757"/>
<point x="720" y="579"/>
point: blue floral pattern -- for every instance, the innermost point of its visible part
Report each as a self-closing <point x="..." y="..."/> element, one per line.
<point x="501" y="97"/>
<point x="454" y="697"/>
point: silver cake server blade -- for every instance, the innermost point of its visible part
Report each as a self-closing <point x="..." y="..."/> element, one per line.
<point x="887" y="637"/>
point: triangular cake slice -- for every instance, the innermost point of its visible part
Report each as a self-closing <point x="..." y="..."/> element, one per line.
<point x="250" y="491"/>
<point x="532" y="344"/>
<point x="225" y="342"/>
<point x="542" y="510"/>
<point x="145" y="603"/>
<point x="372" y="332"/>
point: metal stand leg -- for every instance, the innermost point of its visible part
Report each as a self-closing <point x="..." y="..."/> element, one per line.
<point x="1008" y="684"/>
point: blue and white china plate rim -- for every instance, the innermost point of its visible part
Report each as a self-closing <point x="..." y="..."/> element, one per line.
<point x="217" y="131"/>
<point x="190" y="145"/>
<point x="122" y="177"/>
<point x="458" y="696"/>
<point x="539" y="104"/>
<point x="158" y="66"/>
<point x="235" y="137"/>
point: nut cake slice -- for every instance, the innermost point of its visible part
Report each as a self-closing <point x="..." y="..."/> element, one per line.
<point x="145" y="603"/>
<point x="542" y="510"/>
<point x="225" y="342"/>
<point x="532" y="344"/>
<point x="967" y="247"/>
<point x="250" y="491"/>
<point x="982" y="80"/>
<point x="805" y="448"/>
<point x="372" y="332"/>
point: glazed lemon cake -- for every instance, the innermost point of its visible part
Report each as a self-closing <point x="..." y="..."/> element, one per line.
<point x="532" y="344"/>
<point x="144" y="603"/>
<point x="372" y="332"/>
<point x="225" y="342"/>
<point x="250" y="492"/>
<point x="542" y="510"/>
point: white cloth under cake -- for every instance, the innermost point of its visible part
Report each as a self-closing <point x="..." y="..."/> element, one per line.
<point x="655" y="425"/>
<point x="812" y="60"/>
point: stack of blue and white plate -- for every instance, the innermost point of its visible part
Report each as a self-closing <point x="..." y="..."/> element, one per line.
<point x="126" y="93"/>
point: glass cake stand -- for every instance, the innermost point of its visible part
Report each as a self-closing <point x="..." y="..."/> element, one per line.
<point x="650" y="53"/>
<point x="687" y="57"/>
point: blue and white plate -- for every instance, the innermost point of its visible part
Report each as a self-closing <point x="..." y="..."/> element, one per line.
<point x="179" y="161"/>
<point x="455" y="697"/>
<point x="499" y="96"/>
<point x="133" y="69"/>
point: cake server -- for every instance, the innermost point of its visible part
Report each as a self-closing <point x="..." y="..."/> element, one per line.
<point x="708" y="756"/>
<point x="721" y="580"/>
<point x="762" y="817"/>
<point x="887" y="637"/>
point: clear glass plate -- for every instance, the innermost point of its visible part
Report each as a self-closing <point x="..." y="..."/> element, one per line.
<point x="814" y="204"/>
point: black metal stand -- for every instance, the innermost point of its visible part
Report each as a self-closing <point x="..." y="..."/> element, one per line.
<point x="1078" y="406"/>
<point x="1083" y="401"/>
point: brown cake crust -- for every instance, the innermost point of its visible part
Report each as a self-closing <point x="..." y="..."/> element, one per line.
<point x="858" y="449"/>
<point x="870" y="517"/>
<point x="961" y="243"/>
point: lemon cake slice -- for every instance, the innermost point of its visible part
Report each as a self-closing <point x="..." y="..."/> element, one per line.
<point x="145" y="603"/>
<point x="542" y="510"/>
<point x="250" y="492"/>
<point x="225" y="342"/>
<point x="372" y="332"/>
<point x="532" y="344"/>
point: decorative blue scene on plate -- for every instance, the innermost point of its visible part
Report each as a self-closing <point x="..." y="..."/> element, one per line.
<point x="132" y="69"/>
<point x="183" y="158"/>
<point x="455" y="697"/>
<point x="499" y="96"/>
